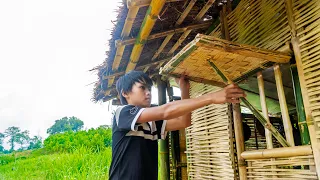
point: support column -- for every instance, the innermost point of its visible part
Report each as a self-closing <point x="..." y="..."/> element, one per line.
<point x="163" y="149"/>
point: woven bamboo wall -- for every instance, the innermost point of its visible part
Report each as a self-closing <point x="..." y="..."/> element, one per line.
<point x="307" y="21"/>
<point x="262" y="23"/>
<point x="208" y="140"/>
<point x="283" y="168"/>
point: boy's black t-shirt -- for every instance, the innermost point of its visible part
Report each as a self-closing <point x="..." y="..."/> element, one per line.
<point x="134" y="145"/>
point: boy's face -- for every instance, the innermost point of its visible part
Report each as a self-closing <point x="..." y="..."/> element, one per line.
<point x="140" y="95"/>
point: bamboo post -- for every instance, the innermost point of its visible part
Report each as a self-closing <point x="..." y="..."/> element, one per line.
<point x="238" y="130"/>
<point x="146" y="27"/>
<point x="264" y="109"/>
<point x="283" y="106"/>
<point x="297" y="53"/>
<point x="265" y="114"/>
<point x="255" y="112"/>
<point x="282" y="152"/>
<point x="304" y="132"/>
<point x="314" y="143"/>
<point x="164" y="153"/>
<point x="183" y="156"/>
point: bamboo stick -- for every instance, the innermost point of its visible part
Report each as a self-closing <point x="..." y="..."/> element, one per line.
<point x="186" y="33"/>
<point x="282" y="152"/>
<point x="255" y="112"/>
<point x="143" y="3"/>
<point x="146" y="27"/>
<point x="283" y="106"/>
<point x="163" y="150"/>
<point x="125" y="42"/>
<point x="138" y="68"/>
<point x="314" y="143"/>
<point x="264" y="109"/>
<point x="238" y="130"/>
<point x="303" y="127"/>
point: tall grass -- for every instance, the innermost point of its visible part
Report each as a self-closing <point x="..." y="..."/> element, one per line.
<point x="81" y="163"/>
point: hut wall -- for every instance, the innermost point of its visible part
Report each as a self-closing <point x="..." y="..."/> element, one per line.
<point x="307" y="21"/>
<point x="209" y="140"/>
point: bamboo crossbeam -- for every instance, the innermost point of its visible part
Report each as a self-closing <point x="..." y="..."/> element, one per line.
<point x="255" y="112"/>
<point x="146" y="27"/>
<point x="126" y="42"/>
<point x="179" y="21"/>
<point x="138" y="68"/>
<point x="283" y="106"/>
<point x="282" y="152"/>
<point x="186" y="33"/>
<point x="143" y="3"/>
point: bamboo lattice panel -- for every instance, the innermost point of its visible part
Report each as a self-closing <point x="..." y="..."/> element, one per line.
<point x="307" y="20"/>
<point x="208" y="140"/>
<point x="261" y="168"/>
<point x="261" y="23"/>
<point x="235" y="60"/>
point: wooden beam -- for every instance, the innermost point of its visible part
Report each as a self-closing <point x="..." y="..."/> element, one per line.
<point x="125" y="42"/>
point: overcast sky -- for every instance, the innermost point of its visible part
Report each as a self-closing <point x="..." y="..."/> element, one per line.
<point x="46" y="50"/>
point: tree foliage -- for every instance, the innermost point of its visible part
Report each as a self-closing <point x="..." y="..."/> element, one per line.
<point x="95" y="139"/>
<point x="12" y="133"/>
<point x="66" y="124"/>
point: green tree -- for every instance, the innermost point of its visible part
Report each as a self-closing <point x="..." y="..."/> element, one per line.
<point x="12" y="133"/>
<point x="23" y="138"/>
<point x="35" y="142"/>
<point x="1" y="142"/>
<point x="66" y="124"/>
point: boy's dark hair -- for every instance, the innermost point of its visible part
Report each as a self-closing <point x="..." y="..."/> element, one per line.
<point x="125" y="83"/>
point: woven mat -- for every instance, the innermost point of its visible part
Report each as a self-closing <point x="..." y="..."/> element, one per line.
<point x="235" y="60"/>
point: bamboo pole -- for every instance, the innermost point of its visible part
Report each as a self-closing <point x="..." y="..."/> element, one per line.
<point x="178" y="22"/>
<point x="163" y="150"/>
<point x="315" y="144"/>
<point x="138" y="68"/>
<point x="303" y="127"/>
<point x="238" y="130"/>
<point x="186" y="33"/>
<point x="282" y="152"/>
<point x="255" y="112"/>
<point x="236" y="111"/>
<point x="183" y="156"/>
<point x="264" y="109"/>
<point x="283" y="106"/>
<point x="132" y="13"/>
<point x="146" y="27"/>
<point x="121" y="42"/>
<point x="143" y="3"/>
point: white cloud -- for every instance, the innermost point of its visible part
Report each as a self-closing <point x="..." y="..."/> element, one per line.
<point x="47" y="48"/>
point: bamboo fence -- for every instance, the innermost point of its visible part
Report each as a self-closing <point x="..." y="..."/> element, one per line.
<point x="209" y="140"/>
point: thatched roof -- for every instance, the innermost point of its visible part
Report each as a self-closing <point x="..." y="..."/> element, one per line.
<point x="166" y="21"/>
<point x="165" y="24"/>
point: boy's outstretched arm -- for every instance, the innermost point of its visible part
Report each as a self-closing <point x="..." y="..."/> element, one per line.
<point x="172" y="110"/>
<point x="184" y="120"/>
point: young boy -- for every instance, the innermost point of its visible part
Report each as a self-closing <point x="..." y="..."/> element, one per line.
<point x="137" y="126"/>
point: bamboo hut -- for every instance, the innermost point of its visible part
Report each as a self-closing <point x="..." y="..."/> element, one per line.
<point x="269" y="47"/>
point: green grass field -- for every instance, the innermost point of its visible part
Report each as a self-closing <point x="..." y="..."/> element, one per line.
<point x="79" y="164"/>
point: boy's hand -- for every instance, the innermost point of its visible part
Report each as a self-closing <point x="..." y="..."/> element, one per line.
<point x="183" y="83"/>
<point x="229" y="94"/>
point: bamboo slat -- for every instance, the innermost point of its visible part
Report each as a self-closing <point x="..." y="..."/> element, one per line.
<point x="261" y="168"/>
<point x="261" y="23"/>
<point x="209" y="140"/>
